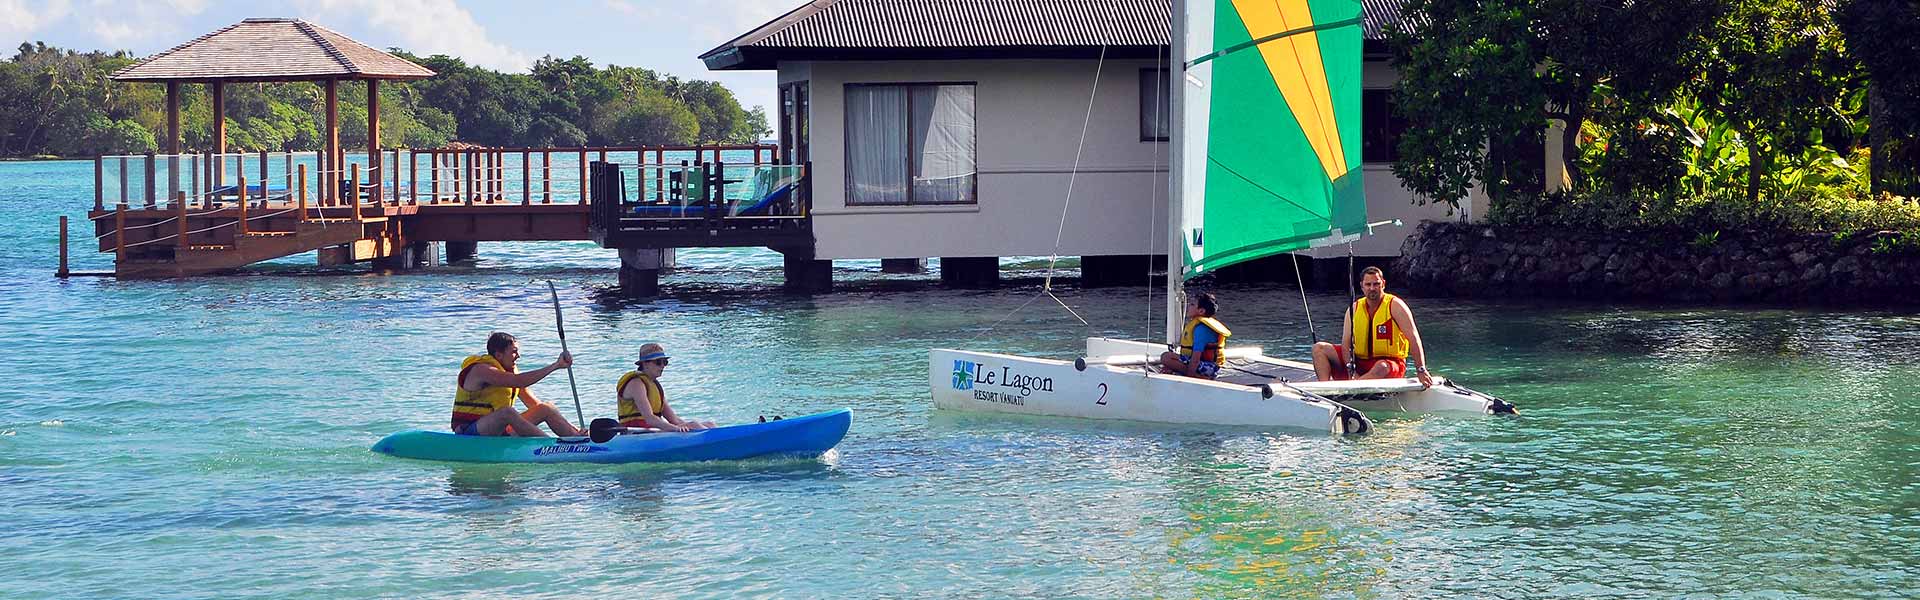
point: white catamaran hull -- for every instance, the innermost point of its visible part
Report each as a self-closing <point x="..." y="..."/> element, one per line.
<point x="1112" y="382"/>
<point x="1248" y="366"/>
<point x="988" y="382"/>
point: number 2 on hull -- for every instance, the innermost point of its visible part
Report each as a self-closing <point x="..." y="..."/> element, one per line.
<point x="1103" y="395"/>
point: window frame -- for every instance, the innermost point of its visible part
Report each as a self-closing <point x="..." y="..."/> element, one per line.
<point x="973" y="190"/>
<point x="1147" y="103"/>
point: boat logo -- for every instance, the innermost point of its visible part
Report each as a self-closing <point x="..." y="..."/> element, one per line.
<point x="570" y="449"/>
<point x="963" y="374"/>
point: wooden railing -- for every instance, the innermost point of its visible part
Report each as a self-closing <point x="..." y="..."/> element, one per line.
<point x="225" y="187"/>
<point x="391" y="177"/>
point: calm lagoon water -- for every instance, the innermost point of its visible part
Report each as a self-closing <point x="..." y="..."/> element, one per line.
<point x="208" y="438"/>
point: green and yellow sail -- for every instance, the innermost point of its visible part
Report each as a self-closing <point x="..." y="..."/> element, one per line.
<point x="1269" y="137"/>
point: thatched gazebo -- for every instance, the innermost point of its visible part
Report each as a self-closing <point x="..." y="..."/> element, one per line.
<point x="275" y="50"/>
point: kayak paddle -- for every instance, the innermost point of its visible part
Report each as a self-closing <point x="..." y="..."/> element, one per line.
<point x="557" y="324"/>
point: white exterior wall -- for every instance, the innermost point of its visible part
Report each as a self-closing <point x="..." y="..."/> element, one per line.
<point x="1028" y="119"/>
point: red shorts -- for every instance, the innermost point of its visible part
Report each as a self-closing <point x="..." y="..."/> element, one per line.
<point x="1396" y="368"/>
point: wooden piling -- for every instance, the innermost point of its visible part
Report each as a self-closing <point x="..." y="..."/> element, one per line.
<point x="62" y="273"/>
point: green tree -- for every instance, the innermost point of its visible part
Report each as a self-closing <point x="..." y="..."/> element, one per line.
<point x="1776" y="77"/>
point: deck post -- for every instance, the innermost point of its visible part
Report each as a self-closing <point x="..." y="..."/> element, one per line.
<point x="526" y="177"/>
<point x="149" y="194"/>
<point x="413" y="176"/>
<point x="119" y="234"/>
<point x="123" y="179"/>
<point x="62" y="273"/>
<point x="467" y="173"/>
<point x="330" y="169"/>
<point x="99" y="178"/>
<point x="546" y="176"/>
<point x="353" y="192"/>
<point x="193" y="171"/>
<point x="265" y="176"/>
<point x="373" y="140"/>
<point x="240" y="179"/>
<point x="396" y="177"/>
<point x="301" y="194"/>
<point x="180" y="215"/>
<point x="433" y="177"/>
<point x="219" y="90"/>
<point x="583" y="176"/>
<point x="173" y="138"/>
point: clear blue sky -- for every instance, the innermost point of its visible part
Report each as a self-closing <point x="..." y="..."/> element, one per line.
<point x="663" y="35"/>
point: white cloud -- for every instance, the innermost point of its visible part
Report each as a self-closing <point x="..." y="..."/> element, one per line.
<point x="138" y="24"/>
<point x="422" y="27"/>
<point x="629" y="8"/>
<point x="736" y="16"/>
<point x="115" y="34"/>
<point x="18" y="19"/>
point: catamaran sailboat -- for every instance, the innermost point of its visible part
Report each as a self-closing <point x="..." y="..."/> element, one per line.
<point x="1266" y="141"/>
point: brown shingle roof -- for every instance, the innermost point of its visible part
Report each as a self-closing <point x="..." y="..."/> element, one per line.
<point x="920" y="29"/>
<point x="271" y="50"/>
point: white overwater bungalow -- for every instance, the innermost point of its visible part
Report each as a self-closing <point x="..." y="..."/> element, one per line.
<point x="954" y="129"/>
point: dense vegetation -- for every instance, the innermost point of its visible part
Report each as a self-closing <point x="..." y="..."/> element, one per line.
<point x="61" y="102"/>
<point x="1690" y="115"/>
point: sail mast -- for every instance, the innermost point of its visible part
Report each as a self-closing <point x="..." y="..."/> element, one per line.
<point x="1176" y="245"/>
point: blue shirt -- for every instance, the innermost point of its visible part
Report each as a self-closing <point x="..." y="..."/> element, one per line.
<point x="1203" y="336"/>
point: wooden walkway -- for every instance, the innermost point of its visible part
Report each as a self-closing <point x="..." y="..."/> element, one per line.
<point x="684" y="197"/>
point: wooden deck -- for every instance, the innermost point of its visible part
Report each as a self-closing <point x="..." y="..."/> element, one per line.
<point x="466" y="196"/>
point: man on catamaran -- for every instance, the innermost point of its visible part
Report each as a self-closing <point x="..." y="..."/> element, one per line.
<point x="1200" y="342"/>
<point x="1379" y="345"/>
<point x="487" y="386"/>
<point x="643" y="403"/>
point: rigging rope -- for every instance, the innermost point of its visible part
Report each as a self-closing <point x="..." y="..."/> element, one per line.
<point x="1072" y="176"/>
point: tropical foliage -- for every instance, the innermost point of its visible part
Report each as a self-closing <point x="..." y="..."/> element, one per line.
<point x="61" y="102"/>
<point x="1686" y="114"/>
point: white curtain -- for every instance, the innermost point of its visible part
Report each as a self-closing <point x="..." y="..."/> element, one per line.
<point x="943" y="159"/>
<point x="876" y="144"/>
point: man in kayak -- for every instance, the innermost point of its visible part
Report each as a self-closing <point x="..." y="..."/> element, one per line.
<point x="487" y="386"/>
<point x="642" y="402"/>
<point x="1379" y="335"/>
<point x="1200" y="342"/>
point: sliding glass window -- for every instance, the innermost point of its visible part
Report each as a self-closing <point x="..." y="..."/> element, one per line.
<point x="910" y="144"/>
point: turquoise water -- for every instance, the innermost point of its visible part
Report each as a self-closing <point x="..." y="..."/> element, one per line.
<point x="208" y="438"/>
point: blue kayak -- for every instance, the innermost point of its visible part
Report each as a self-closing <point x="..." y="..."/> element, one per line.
<point x="806" y="436"/>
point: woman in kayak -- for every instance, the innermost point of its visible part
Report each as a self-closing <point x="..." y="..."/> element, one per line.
<point x="488" y="384"/>
<point x="643" y="403"/>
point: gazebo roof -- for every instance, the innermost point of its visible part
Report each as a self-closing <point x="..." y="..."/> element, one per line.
<point x="271" y="50"/>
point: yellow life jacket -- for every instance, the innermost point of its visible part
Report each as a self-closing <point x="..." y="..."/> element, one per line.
<point x="470" y="406"/>
<point x="629" y="412"/>
<point x="1378" y="336"/>
<point x="1210" y="353"/>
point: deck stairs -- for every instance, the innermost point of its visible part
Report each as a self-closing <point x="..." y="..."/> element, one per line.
<point x="255" y="246"/>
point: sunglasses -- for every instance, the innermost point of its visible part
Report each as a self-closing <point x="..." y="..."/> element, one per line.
<point x="660" y="361"/>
